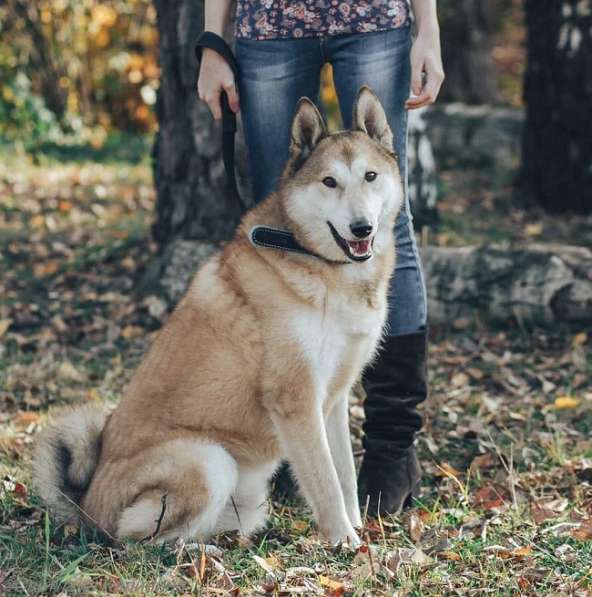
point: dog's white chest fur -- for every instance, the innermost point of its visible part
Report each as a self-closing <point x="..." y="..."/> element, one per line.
<point x="340" y="334"/>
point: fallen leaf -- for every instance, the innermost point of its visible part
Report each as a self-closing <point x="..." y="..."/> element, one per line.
<point x="446" y="470"/>
<point x="300" y="525"/>
<point x="580" y="339"/>
<point x="565" y="402"/>
<point x="132" y="331"/>
<point x="68" y="372"/>
<point x="263" y="563"/>
<point x="335" y="587"/>
<point x="273" y="561"/>
<point x="584" y="531"/>
<point x="535" y="229"/>
<point x="20" y="490"/>
<point x="25" y="418"/>
<point x="4" y="325"/>
<point x="405" y="556"/>
<point x="488" y="498"/>
<point x="415" y="527"/>
<point x="484" y="461"/>
<point x="522" y="552"/>
<point x="459" y="380"/>
<point x="450" y="555"/>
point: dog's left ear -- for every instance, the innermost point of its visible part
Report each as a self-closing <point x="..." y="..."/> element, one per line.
<point x="308" y="128"/>
<point x="370" y="118"/>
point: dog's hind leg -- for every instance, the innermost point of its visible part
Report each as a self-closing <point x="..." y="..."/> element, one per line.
<point x="180" y="490"/>
<point x="247" y="509"/>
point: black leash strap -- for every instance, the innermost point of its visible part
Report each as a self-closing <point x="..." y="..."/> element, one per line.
<point x="262" y="236"/>
<point x="214" y="42"/>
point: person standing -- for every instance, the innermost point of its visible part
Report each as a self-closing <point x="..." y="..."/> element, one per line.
<point x="281" y="47"/>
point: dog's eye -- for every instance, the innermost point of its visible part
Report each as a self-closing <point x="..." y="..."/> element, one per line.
<point x="370" y="176"/>
<point x="330" y="182"/>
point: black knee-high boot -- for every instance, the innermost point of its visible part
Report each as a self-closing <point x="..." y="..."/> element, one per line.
<point x="395" y="385"/>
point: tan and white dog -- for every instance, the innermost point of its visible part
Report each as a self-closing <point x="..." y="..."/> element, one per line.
<point x="255" y="364"/>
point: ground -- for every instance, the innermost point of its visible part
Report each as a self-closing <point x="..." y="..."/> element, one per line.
<point x="506" y="505"/>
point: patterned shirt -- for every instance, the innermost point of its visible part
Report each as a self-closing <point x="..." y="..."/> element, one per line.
<point x="281" y="19"/>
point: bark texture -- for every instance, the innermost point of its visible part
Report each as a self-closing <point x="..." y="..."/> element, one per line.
<point x="192" y="200"/>
<point x="539" y="284"/>
<point x="557" y="150"/>
<point x="467" y="31"/>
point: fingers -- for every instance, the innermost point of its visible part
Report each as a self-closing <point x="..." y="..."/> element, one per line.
<point x="212" y="98"/>
<point x="429" y="93"/>
<point x="232" y="94"/>
<point x="216" y="76"/>
<point x="416" y="77"/>
<point x="414" y="103"/>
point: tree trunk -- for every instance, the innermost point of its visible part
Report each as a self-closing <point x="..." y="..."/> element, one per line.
<point x="467" y="29"/>
<point x="192" y="200"/>
<point x="557" y="149"/>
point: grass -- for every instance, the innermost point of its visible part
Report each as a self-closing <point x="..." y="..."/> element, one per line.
<point x="506" y="504"/>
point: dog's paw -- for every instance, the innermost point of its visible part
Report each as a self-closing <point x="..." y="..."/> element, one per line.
<point x="346" y="536"/>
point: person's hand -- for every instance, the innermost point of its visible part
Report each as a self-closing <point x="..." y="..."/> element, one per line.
<point x="427" y="72"/>
<point x="214" y="76"/>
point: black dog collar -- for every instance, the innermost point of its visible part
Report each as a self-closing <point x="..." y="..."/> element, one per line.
<point x="284" y="240"/>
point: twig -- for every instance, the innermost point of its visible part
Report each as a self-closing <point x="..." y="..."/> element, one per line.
<point x="87" y="515"/>
<point x="240" y="525"/>
<point x="163" y="501"/>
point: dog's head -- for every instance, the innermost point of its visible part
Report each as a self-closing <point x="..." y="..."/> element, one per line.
<point x="341" y="192"/>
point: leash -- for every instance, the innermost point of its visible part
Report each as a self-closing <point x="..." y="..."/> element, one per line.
<point x="262" y="236"/>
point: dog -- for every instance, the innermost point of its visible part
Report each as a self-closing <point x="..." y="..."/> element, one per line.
<point x="255" y="364"/>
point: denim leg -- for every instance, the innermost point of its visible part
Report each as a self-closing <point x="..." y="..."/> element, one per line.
<point x="274" y="75"/>
<point x="381" y="61"/>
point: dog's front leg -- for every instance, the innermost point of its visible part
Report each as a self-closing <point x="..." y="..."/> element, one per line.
<point x="304" y="440"/>
<point x="343" y="457"/>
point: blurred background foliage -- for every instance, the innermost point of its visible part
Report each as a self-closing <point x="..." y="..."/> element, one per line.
<point x="77" y="68"/>
<point x="81" y="70"/>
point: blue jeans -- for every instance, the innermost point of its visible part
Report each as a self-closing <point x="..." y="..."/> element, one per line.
<point x="274" y="74"/>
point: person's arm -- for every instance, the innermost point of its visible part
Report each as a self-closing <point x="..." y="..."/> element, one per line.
<point x="214" y="73"/>
<point x="427" y="72"/>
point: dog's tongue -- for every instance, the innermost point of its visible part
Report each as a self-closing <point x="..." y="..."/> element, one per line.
<point x="359" y="247"/>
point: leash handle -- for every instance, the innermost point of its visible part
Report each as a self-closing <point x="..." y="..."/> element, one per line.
<point x="214" y="42"/>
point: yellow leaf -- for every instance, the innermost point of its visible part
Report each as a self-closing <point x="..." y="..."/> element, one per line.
<point x="452" y="556"/>
<point x="447" y="470"/>
<point x="273" y="561"/>
<point x="522" y="552"/>
<point x="332" y="585"/>
<point x="38" y="221"/>
<point x="132" y="331"/>
<point x="580" y="339"/>
<point x="535" y="229"/>
<point x="4" y="325"/>
<point x="565" y="402"/>
<point x="300" y="525"/>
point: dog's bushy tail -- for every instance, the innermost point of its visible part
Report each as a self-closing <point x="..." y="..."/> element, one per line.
<point x="66" y="456"/>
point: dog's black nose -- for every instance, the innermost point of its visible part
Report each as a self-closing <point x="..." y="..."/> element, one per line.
<point x="361" y="228"/>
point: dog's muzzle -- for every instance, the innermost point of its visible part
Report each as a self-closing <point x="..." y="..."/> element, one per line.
<point x="356" y="250"/>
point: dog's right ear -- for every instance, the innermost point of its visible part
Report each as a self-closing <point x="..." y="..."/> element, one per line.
<point x="308" y="128"/>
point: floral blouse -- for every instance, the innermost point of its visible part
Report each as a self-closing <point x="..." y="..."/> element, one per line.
<point x="279" y="19"/>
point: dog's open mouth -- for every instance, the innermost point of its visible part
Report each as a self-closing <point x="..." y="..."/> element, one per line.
<point x="356" y="250"/>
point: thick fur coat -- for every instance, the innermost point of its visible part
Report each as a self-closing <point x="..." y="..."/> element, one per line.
<point x="255" y="364"/>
